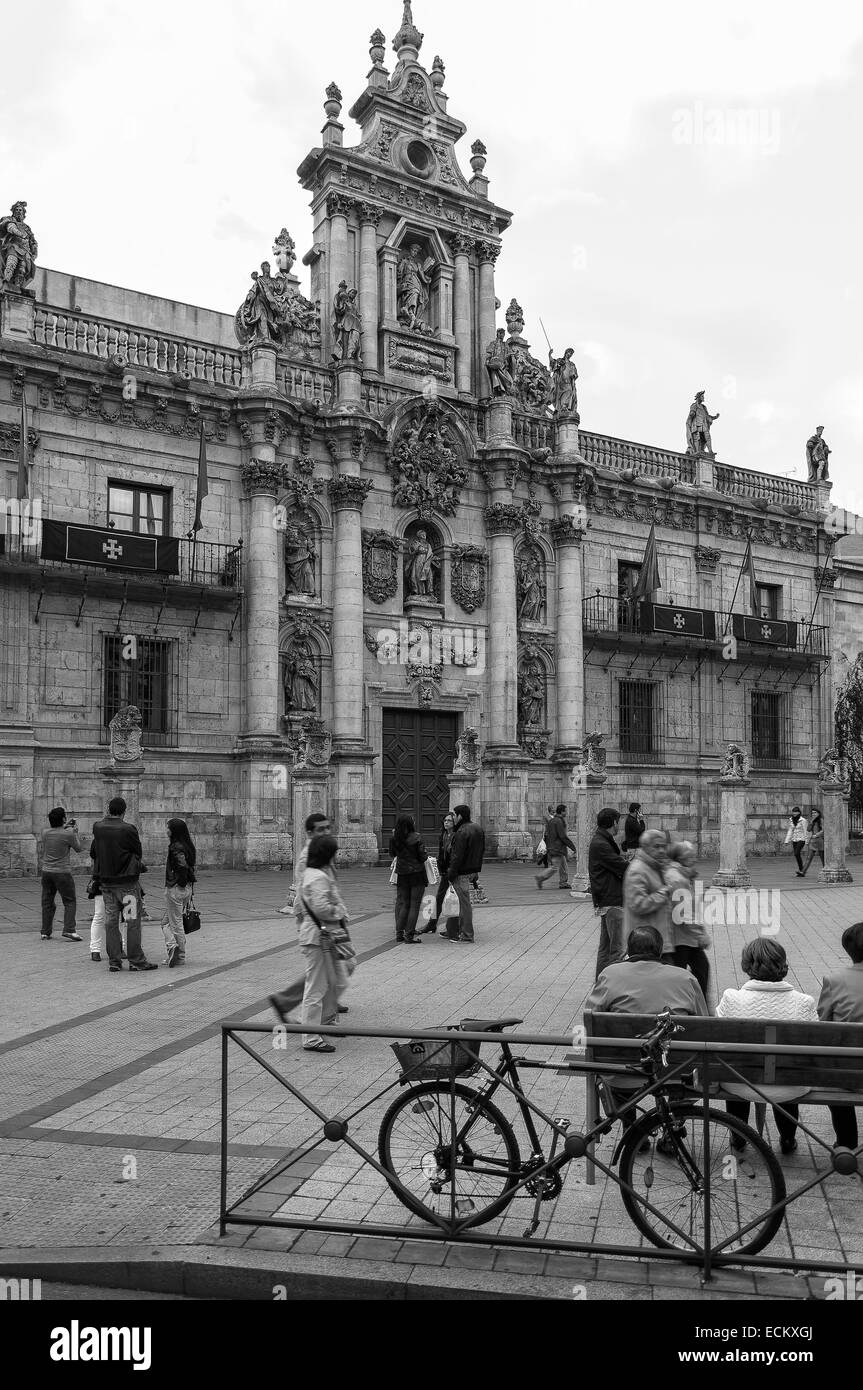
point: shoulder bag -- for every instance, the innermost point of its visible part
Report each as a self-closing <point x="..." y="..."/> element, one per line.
<point x="191" y="917"/>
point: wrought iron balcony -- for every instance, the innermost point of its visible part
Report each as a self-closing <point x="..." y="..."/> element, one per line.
<point x="202" y="564"/>
<point x="609" y="616"/>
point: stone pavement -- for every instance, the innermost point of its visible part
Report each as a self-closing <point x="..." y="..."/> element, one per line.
<point x="109" y="1098"/>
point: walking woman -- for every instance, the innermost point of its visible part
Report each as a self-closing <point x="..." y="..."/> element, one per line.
<point x="410" y="855"/>
<point x="796" y="836"/>
<point x="179" y="879"/>
<point x="815" y="843"/>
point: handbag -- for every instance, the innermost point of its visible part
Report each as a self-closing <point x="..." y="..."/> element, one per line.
<point x="94" y="888"/>
<point x="541" y="849"/>
<point x="394" y="878"/>
<point x="191" y="917"/>
<point x="339" y="937"/>
<point x="432" y="875"/>
<point x="450" y="907"/>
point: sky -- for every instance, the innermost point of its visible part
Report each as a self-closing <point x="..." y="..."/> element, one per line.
<point x="684" y="179"/>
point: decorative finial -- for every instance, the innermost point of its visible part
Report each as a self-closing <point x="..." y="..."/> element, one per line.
<point x="377" y="47"/>
<point x="409" y="36"/>
<point x="438" y="73"/>
<point x="333" y="103"/>
<point x="478" y="156"/>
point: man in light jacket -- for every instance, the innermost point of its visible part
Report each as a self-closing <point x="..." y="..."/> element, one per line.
<point x="646" y="896"/>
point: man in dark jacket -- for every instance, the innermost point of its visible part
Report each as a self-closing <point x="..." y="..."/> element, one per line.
<point x="556" y="842"/>
<point x="116" y="853"/>
<point x="466" y="856"/>
<point x="606" y="867"/>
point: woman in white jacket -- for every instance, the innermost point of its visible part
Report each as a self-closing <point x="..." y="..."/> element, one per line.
<point x="767" y="995"/>
<point x="796" y="836"/>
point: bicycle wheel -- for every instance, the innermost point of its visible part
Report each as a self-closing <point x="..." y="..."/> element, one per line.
<point x="744" y="1184"/>
<point x="415" y="1145"/>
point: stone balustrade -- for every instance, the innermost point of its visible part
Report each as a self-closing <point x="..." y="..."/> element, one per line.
<point x="155" y="352"/>
<point x="377" y="397"/>
<point x="785" y="492"/>
<point x="620" y="455"/>
<point x="306" y="382"/>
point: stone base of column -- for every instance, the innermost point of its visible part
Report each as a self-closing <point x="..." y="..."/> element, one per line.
<point x="125" y="782"/>
<point x="310" y="792"/>
<point x="732" y="878"/>
<point x="349" y="381"/>
<point x="566" y="436"/>
<point x="262" y="840"/>
<point x="499" y="422"/>
<point x="352" y="800"/>
<point x="17" y="316"/>
<point x="259" y="368"/>
<point x="464" y="791"/>
<point x="504" y="804"/>
<point x="732" y="872"/>
<point x="589" y="790"/>
<point x="834" y="799"/>
<point x="835" y="876"/>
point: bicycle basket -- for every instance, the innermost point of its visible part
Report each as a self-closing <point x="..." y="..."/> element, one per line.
<point x="425" y="1059"/>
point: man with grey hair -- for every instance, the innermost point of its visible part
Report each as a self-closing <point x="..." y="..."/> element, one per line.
<point x="646" y="895"/>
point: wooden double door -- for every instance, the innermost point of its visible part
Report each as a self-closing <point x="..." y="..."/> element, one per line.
<point x="418" y="752"/>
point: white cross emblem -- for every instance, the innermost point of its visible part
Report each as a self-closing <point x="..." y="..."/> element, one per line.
<point x="679" y="621"/>
<point x="767" y="631"/>
<point x="112" y="549"/>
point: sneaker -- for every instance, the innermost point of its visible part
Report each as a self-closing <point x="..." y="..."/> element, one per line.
<point x="343" y="1009"/>
<point x="148" y="965"/>
<point x="788" y="1146"/>
<point x="286" y="912"/>
<point x="71" y="936"/>
<point x="46" y="936"/>
<point x="173" y="957"/>
<point x="465" y="940"/>
<point x="94" y="955"/>
<point x="114" y="969"/>
<point x="319" y="1046"/>
<point x="564" y="887"/>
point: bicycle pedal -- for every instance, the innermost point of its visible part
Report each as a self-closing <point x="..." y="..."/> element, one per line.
<point x="531" y="1230"/>
<point x="464" y="1206"/>
<point x="561" y="1122"/>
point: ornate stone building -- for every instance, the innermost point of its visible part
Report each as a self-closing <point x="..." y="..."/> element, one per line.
<point x="407" y="536"/>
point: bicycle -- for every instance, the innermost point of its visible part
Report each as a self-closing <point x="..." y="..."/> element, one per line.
<point x="456" y="1161"/>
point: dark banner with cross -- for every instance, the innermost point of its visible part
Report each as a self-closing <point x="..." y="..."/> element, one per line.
<point x="776" y="632"/>
<point x="689" y="622"/>
<point x="92" y="545"/>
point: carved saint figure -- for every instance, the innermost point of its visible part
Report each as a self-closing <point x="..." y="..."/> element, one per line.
<point x="259" y="314"/>
<point x="300" y="558"/>
<point x="564" y="375"/>
<point x="301" y="680"/>
<point x="414" y="289"/>
<point x="817" y="456"/>
<point x="125" y="733"/>
<point x="498" y="364"/>
<point x="347" y="323"/>
<point x="698" y="424"/>
<point x="18" y="250"/>
<point x="531" y="589"/>
<point x="531" y="696"/>
<point x="420" y="567"/>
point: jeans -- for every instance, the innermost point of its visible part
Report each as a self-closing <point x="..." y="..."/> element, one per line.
<point x="97" y="926"/>
<point x="64" y="884"/>
<point x="797" y="846"/>
<point x="409" y="895"/>
<point x="176" y="899"/>
<point x="556" y="865"/>
<point x="319" y="992"/>
<point x="696" y="958"/>
<point x="787" y="1127"/>
<point x="810" y="855"/>
<point x="123" y="900"/>
<point x="844" y="1119"/>
<point x="612" y="947"/>
<point x="462" y="888"/>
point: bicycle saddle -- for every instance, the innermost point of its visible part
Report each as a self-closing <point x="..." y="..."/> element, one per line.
<point x="487" y="1025"/>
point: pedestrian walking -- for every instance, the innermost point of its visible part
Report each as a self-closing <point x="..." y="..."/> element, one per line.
<point x="58" y="841"/>
<point x="318" y="823"/>
<point x="410" y="855"/>
<point x="557" y="842"/>
<point x="815" y="841"/>
<point x="796" y="836"/>
<point x="118" y="864"/>
<point x="180" y="879"/>
<point x="606" y="867"/>
<point x="320" y="915"/>
<point x="689" y="936"/>
<point x="633" y="827"/>
<point x="466" y="856"/>
<point x="646" y="896"/>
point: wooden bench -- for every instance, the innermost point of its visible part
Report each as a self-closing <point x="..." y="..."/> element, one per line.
<point x="831" y="1079"/>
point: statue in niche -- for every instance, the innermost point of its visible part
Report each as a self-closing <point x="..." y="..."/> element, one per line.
<point x="564" y="375"/>
<point x="125" y="731"/>
<point x="698" y="424"/>
<point x="347" y="324"/>
<point x="414" y="289"/>
<point x="531" y="588"/>
<point x="817" y="456"/>
<point x="531" y="695"/>
<point x="498" y="364"/>
<point x="421" y="567"/>
<point x="301" y="679"/>
<point x="18" y="251"/>
<point x="426" y="468"/>
<point x="300" y="556"/>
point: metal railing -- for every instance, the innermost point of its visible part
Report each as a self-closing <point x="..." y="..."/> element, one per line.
<point x="206" y="564"/>
<point x="698" y="1067"/>
<point x="158" y="352"/>
<point x="608" y="613"/>
<point x="743" y="482"/>
<point x="808" y="642"/>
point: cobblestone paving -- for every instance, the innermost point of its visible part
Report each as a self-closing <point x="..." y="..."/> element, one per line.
<point x="109" y="1085"/>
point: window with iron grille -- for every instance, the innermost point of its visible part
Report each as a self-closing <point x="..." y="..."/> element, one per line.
<point x="771" y="743"/>
<point x="640" y="711"/>
<point x="141" y="671"/>
<point x="146" y="511"/>
<point x="769" y="598"/>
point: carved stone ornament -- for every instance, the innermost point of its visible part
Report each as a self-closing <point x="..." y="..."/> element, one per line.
<point x="735" y="768"/>
<point x="593" y="755"/>
<point x="532" y="380"/>
<point x="125" y="731"/>
<point x="314" y="745"/>
<point x="530" y="585"/>
<point x="567" y="530"/>
<point x="275" y="312"/>
<point x="262" y="476"/>
<point x="833" y="770"/>
<point x="301" y="681"/>
<point x="501" y="518"/>
<point x="706" y="559"/>
<point x="415" y="93"/>
<point x="825" y="576"/>
<point x="18" y="251"/>
<point x="467" y="576"/>
<point x="467" y="758"/>
<point x="381" y="552"/>
<point x="427" y="471"/>
<point x="347" y="492"/>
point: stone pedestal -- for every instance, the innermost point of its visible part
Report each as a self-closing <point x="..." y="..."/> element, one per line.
<point x="17" y="316"/>
<point x="499" y="422"/>
<point x="834" y="800"/>
<point x="588" y="789"/>
<point x="353" y="799"/>
<point x="349" y="380"/>
<point x="262" y="366"/>
<point x="504" y="805"/>
<point x="310" y="793"/>
<point x="264" y="800"/>
<point x="566" y="436"/>
<point x="733" y="800"/>
<point x="125" y="780"/>
<point x="464" y="791"/>
<point x="704" y="475"/>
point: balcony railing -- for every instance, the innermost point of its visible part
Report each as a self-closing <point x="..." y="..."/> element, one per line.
<point x="157" y="352"/>
<point x="621" y="454"/>
<point x="203" y="564"/>
<point x="784" y="492"/>
<point x="608" y="613"/>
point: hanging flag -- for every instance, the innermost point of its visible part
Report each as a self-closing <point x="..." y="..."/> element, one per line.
<point x="151" y="515"/>
<point x="23" y="452"/>
<point x="203" y="483"/>
<point x="96" y="545"/>
<point x="749" y="571"/>
<point x="648" y="579"/>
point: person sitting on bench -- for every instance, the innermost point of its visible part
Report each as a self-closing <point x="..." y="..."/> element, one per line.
<point x="841" y="1001"/>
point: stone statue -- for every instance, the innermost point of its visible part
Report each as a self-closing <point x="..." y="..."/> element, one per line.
<point x="832" y="770"/>
<point x="498" y="364"/>
<point x="817" y="455"/>
<point x="300" y="558"/>
<point x="531" y="589"/>
<point x="531" y="378"/>
<point x="284" y="252"/>
<point x="564" y="375"/>
<point x="531" y="696"/>
<point x="347" y="324"/>
<point x="414" y="290"/>
<point x="301" y="680"/>
<point x="258" y="319"/>
<point x="467" y="752"/>
<point x="736" y="765"/>
<point x="274" y="311"/>
<point x="420" y="567"/>
<point x="18" y="251"/>
<point x="125" y="731"/>
<point x="427" y="467"/>
<point x="698" y="424"/>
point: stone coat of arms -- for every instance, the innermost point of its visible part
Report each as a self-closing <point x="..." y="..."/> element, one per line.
<point x="467" y="577"/>
<point x="125" y="732"/>
<point x="380" y="565"/>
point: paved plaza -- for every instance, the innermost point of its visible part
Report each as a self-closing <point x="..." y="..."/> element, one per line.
<point x="110" y="1093"/>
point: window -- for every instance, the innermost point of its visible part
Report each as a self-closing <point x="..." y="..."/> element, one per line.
<point x="627" y="609"/>
<point x="145" y="511"/>
<point x="138" y="671"/>
<point x="640" y="738"/>
<point x="769" y="597"/>
<point x="770" y="734"/>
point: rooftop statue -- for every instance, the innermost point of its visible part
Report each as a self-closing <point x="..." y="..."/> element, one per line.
<point x="274" y="311"/>
<point x="698" y="424"/>
<point x="564" y="375"/>
<point x="18" y="251"/>
<point x="498" y="364"/>
<point x="817" y="457"/>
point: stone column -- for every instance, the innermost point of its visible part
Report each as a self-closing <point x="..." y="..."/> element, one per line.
<point x="568" y="535"/>
<point x="310" y="780"/>
<point x="587" y="785"/>
<point x="262" y="364"/>
<point x="733" y="800"/>
<point x="462" y="247"/>
<point x="370" y="216"/>
<point x="337" y="209"/>
<point x="124" y="779"/>
<point x="488" y="254"/>
<point x="389" y="273"/>
<point x="262" y="477"/>
<point x="834" y="800"/>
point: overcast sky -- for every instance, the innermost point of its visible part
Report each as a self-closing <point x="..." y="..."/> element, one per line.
<point x="685" y="180"/>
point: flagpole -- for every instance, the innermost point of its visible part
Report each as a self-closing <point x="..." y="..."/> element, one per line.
<point x="739" y="577"/>
<point x="830" y="543"/>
